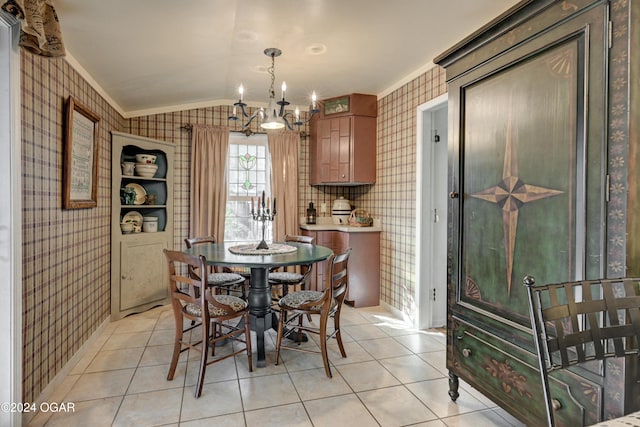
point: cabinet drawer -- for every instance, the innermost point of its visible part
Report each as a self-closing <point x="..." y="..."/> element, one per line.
<point x="509" y="376"/>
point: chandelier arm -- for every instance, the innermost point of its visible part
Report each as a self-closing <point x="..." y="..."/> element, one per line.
<point x="286" y="122"/>
<point x="242" y="106"/>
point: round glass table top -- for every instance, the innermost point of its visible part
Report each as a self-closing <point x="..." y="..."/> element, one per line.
<point x="219" y="254"/>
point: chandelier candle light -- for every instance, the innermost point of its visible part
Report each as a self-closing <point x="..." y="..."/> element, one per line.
<point x="273" y="117"/>
<point x="266" y="212"/>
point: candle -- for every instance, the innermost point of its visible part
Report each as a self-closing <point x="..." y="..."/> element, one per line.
<point x="284" y="89"/>
<point x="274" y="205"/>
<point x="241" y="90"/>
<point x="297" y="114"/>
<point x="313" y="100"/>
<point x="263" y="198"/>
<point x="251" y="205"/>
<point x="258" y="204"/>
<point x="234" y="111"/>
<point x="268" y="204"/>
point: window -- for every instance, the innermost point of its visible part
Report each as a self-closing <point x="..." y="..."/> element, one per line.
<point x="248" y="175"/>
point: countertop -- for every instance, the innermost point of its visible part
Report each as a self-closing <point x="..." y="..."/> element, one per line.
<point x="326" y="224"/>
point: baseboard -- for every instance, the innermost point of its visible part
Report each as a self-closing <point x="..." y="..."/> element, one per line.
<point x="45" y="395"/>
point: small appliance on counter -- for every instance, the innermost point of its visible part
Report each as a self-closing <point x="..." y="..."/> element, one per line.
<point x="341" y="211"/>
<point x="311" y="214"/>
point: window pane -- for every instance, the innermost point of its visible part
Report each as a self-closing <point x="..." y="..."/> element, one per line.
<point x="248" y="175"/>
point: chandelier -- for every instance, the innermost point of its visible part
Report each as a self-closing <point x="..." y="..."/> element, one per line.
<point x="274" y="116"/>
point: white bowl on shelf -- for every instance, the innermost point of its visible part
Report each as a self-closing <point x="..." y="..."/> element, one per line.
<point x="148" y="159"/>
<point x="146" y="170"/>
<point x="127" y="227"/>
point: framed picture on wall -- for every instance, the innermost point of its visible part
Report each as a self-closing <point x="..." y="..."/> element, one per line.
<point x="80" y="175"/>
<point x="336" y="105"/>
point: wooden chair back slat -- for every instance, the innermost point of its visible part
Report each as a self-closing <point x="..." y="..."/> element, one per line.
<point x="582" y="321"/>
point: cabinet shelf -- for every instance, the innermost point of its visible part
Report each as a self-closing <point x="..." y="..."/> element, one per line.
<point x="136" y="207"/>
<point x="141" y="178"/>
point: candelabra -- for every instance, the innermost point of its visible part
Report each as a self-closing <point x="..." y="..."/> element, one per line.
<point x="263" y="214"/>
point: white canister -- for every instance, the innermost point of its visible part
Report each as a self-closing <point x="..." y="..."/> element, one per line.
<point x="150" y="224"/>
<point x="341" y="211"/>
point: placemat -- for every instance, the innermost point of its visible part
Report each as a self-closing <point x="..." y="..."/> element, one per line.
<point x="274" y="248"/>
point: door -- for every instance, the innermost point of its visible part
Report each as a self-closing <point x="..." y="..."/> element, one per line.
<point x="431" y="220"/>
<point x="529" y="169"/>
<point x="10" y="217"/>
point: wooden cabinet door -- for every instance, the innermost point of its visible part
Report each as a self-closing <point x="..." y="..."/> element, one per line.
<point x="334" y="137"/>
<point x="528" y="176"/>
<point x="529" y="167"/>
<point x="143" y="278"/>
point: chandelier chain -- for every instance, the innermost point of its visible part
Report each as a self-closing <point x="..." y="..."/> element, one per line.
<point x="272" y="72"/>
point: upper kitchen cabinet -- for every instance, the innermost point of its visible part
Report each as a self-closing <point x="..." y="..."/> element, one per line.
<point x="543" y="182"/>
<point x="342" y="149"/>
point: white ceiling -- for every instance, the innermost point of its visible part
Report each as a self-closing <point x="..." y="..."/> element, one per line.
<point x="151" y="56"/>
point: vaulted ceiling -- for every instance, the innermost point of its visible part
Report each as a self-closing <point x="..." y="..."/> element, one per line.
<point x="149" y="56"/>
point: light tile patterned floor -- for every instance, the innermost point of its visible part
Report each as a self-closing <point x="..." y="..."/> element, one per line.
<point x="393" y="376"/>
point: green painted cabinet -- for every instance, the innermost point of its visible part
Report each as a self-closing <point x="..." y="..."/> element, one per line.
<point x="538" y="186"/>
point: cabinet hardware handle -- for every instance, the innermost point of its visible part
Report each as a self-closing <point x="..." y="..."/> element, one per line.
<point x="466" y="352"/>
<point x="555" y="403"/>
<point x="453" y="195"/>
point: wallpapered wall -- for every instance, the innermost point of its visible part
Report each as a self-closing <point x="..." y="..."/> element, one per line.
<point x="66" y="253"/>
<point x="393" y="198"/>
<point x="66" y="283"/>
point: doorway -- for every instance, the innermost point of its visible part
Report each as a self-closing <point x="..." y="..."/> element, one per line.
<point x="10" y="219"/>
<point x="431" y="214"/>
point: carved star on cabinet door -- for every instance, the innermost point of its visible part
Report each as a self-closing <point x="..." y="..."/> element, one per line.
<point x="511" y="194"/>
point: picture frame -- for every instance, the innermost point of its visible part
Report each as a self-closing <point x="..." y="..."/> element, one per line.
<point x="81" y="144"/>
<point x="336" y="105"/>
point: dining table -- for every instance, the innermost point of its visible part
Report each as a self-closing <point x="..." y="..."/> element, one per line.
<point x="260" y="261"/>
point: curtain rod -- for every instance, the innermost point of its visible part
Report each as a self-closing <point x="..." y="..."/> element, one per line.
<point x="247" y="132"/>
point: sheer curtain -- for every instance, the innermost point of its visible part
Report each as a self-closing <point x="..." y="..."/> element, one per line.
<point x="284" y="147"/>
<point x="208" y="197"/>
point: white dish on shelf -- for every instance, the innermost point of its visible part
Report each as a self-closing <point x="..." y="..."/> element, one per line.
<point x="146" y="158"/>
<point x="141" y="193"/>
<point x="134" y="218"/>
<point x="145" y="170"/>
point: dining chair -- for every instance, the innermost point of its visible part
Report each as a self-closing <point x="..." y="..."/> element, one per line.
<point x="210" y="315"/>
<point x="326" y="303"/>
<point x="581" y="321"/>
<point x="282" y="281"/>
<point x="222" y="278"/>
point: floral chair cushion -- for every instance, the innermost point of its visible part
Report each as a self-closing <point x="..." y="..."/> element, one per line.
<point x="285" y="277"/>
<point x="220" y="279"/>
<point x="293" y="300"/>
<point x="236" y="304"/>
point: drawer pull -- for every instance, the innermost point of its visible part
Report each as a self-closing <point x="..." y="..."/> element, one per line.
<point x="556" y="404"/>
<point x="466" y="352"/>
<point x="453" y="195"/>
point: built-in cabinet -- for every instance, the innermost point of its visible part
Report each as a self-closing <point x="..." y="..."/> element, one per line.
<point x="539" y="147"/>
<point x="343" y="141"/>
<point x="138" y="268"/>
<point x="364" y="264"/>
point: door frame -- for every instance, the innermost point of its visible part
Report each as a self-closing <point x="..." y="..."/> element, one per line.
<point x="10" y="218"/>
<point x="424" y="207"/>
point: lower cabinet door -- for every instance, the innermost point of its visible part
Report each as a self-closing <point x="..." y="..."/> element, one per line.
<point x="509" y="376"/>
<point x="143" y="272"/>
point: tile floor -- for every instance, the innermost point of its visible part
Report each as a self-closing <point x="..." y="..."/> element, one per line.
<point x="393" y="376"/>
